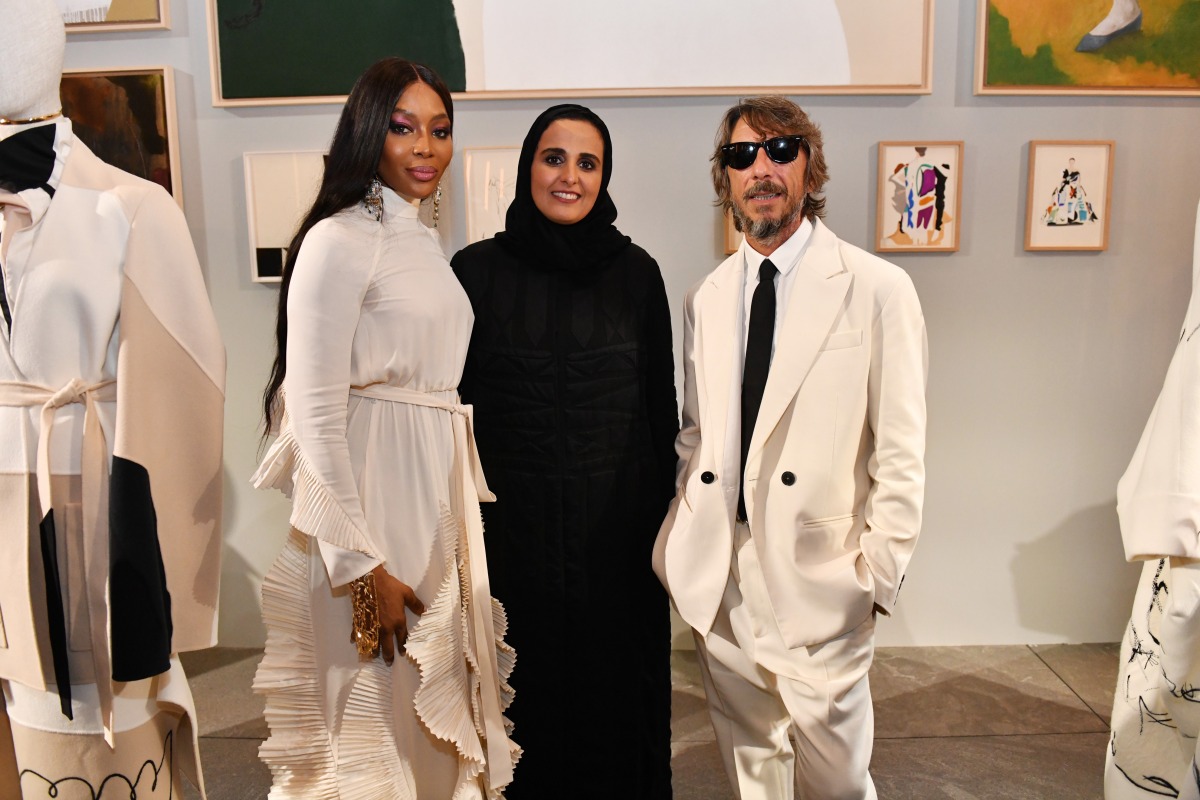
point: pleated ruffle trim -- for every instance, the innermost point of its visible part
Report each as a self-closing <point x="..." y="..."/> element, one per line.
<point x="314" y="510"/>
<point x="448" y="700"/>
<point x="368" y="765"/>
<point x="299" y="751"/>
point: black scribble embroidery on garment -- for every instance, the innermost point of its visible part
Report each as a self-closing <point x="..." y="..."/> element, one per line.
<point x="1138" y="649"/>
<point x="1154" y="717"/>
<point x="1157" y="785"/>
<point x="247" y="19"/>
<point x="163" y="769"/>
<point x="1145" y="659"/>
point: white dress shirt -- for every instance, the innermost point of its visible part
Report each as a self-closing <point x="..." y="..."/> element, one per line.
<point x="786" y="257"/>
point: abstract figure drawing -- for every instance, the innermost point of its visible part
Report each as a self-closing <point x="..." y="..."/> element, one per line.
<point x="1069" y="204"/>
<point x="920" y="199"/>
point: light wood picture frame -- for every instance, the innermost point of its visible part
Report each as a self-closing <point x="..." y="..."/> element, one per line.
<point x="481" y="50"/>
<point x="919" y="195"/>
<point x="280" y="189"/>
<point x="1069" y="195"/>
<point x="93" y="16"/>
<point x="1026" y="47"/>
<point x="732" y="236"/>
<point x="127" y="118"/>
<point x="490" y="178"/>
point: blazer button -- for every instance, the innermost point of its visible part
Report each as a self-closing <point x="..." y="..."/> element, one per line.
<point x="707" y="477"/>
<point x="787" y="478"/>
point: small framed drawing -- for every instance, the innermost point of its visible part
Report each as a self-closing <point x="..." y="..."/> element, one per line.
<point x="919" y="191"/>
<point x="83" y="16"/>
<point x="490" y="174"/>
<point x="280" y="189"/>
<point x="1069" y="195"/>
<point x="127" y="118"/>
<point x="733" y="237"/>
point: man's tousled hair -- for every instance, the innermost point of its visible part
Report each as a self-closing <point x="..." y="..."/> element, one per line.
<point x="773" y="115"/>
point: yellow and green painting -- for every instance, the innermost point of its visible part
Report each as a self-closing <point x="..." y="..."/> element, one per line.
<point x="1135" y="46"/>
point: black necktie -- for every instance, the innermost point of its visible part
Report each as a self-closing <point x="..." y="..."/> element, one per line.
<point x="758" y="363"/>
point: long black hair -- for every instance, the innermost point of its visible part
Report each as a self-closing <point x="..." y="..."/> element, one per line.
<point x="352" y="162"/>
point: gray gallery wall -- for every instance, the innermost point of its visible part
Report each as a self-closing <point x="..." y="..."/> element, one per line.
<point x="1044" y="366"/>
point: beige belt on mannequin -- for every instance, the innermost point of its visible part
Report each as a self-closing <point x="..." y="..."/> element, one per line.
<point x="94" y="478"/>
<point x="473" y="488"/>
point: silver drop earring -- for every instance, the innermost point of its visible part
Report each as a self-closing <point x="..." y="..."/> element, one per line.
<point x="374" y="198"/>
<point x="437" y="202"/>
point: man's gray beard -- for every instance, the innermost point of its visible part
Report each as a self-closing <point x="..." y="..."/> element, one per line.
<point x="766" y="230"/>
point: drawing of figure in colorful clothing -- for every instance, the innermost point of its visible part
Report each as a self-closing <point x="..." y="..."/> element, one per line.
<point x="1069" y="204"/>
<point x="920" y="197"/>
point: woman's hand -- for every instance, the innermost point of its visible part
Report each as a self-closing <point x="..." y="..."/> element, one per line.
<point x="392" y="597"/>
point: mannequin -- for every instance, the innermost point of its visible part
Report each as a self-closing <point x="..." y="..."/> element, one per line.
<point x="33" y="44"/>
<point x="1154" y="750"/>
<point x="111" y="398"/>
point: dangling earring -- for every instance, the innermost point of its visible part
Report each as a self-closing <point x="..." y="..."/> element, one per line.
<point x="437" y="202"/>
<point x="374" y="199"/>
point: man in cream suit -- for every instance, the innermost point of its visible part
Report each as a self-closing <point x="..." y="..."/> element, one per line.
<point x="801" y="468"/>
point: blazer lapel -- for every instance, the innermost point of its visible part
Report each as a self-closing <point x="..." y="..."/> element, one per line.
<point x="717" y="340"/>
<point x="820" y="287"/>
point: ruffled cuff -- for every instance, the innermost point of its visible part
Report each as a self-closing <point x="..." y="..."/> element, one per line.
<point x="314" y="510"/>
<point x="343" y="566"/>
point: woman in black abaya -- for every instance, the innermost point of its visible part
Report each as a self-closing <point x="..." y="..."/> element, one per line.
<point x="571" y="373"/>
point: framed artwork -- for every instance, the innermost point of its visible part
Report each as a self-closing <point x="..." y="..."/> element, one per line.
<point x="920" y="192"/>
<point x="82" y="16"/>
<point x="733" y="237"/>
<point x="127" y="118"/>
<point x="481" y="48"/>
<point x="280" y="188"/>
<point x="1100" y="47"/>
<point x="490" y="174"/>
<point x="1069" y="195"/>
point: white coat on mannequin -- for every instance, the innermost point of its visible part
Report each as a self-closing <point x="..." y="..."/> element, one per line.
<point x="111" y="408"/>
<point x="1154" y="748"/>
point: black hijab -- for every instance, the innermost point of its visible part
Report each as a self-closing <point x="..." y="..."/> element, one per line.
<point x="589" y="243"/>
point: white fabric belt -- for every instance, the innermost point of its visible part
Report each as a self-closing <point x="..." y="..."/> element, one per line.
<point x="469" y="473"/>
<point x="94" y="479"/>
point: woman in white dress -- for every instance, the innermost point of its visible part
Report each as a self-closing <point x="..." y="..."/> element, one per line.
<point x="385" y="672"/>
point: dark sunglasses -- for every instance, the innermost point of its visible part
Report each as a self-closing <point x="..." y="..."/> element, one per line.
<point x="781" y="150"/>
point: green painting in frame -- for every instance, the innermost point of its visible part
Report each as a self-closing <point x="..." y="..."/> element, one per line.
<point x="313" y="50"/>
<point x="273" y="52"/>
<point x="1105" y="47"/>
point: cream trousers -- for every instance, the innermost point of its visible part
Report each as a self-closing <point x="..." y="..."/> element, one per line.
<point x="789" y="722"/>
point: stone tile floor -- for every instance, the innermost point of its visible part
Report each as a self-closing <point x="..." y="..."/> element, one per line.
<point x="961" y="723"/>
